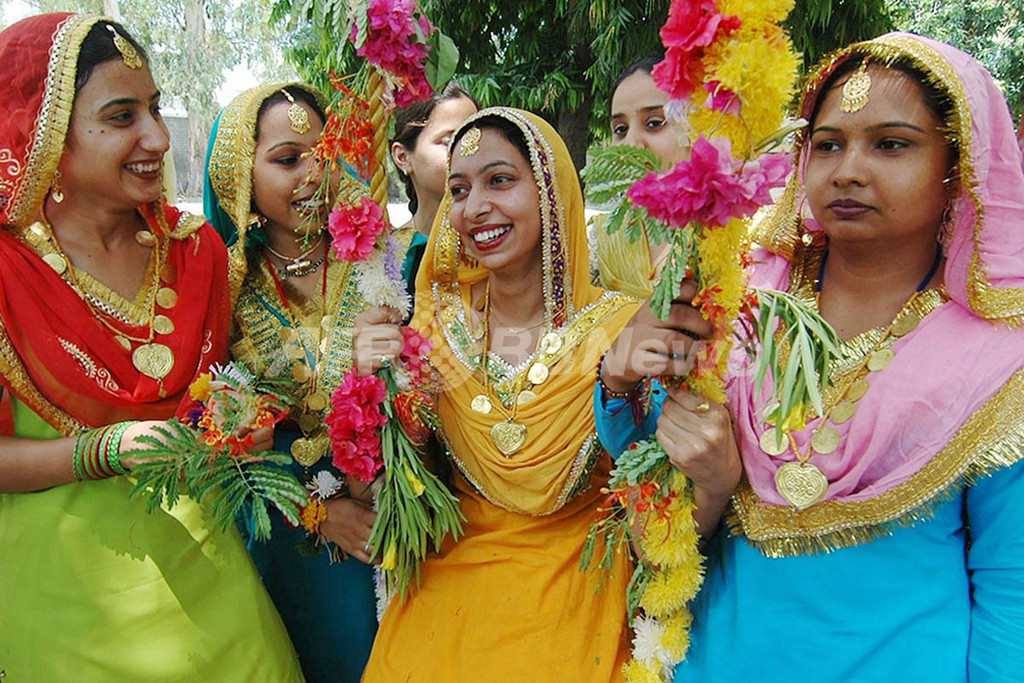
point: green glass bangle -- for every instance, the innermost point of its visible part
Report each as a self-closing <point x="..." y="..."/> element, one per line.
<point x="76" y="456"/>
<point x="112" y="454"/>
<point x="90" y="459"/>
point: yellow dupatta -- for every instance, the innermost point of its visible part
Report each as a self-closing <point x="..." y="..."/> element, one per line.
<point x="561" y="449"/>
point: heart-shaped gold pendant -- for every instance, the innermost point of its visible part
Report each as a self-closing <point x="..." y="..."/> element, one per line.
<point x="801" y="484"/>
<point x="307" y="451"/>
<point x="509" y="436"/>
<point x="153" y="360"/>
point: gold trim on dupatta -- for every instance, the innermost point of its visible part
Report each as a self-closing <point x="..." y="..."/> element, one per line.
<point x="51" y="130"/>
<point x="990" y="440"/>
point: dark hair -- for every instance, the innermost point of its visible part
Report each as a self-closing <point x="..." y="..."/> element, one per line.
<point x="509" y="131"/>
<point x="410" y="122"/>
<point x="98" y="47"/>
<point x="299" y="94"/>
<point x="644" y="64"/>
<point x="938" y="100"/>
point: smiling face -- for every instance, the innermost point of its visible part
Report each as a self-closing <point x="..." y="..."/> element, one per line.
<point x="282" y="184"/>
<point x="116" y="140"/>
<point x="877" y="174"/>
<point x="496" y="205"/>
<point x="638" y="119"/>
<point x="425" y="162"/>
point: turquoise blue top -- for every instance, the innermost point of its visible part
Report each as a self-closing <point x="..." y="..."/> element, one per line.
<point x="941" y="601"/>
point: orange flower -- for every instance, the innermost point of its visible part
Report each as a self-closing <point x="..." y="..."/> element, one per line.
<point x="313" y="515"/>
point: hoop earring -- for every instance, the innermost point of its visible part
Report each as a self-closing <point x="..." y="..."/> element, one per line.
<point x="55" y="189"/>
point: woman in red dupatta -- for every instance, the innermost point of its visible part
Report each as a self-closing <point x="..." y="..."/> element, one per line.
<point x="111" y="301"/>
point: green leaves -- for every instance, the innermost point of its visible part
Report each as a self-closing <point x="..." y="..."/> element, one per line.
<point x="178" y="462"/>
<point x="442" y="60"/>
<point x="785" y="325"/>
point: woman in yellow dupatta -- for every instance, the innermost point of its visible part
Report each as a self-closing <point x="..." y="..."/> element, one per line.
<point x="504" y="285"/>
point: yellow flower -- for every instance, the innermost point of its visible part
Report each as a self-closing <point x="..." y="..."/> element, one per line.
<point x="200" y="389"/>
<point x="417" y="486"/>
<point x="313" y="515"/>
<point x="388" y="562"/>
<point x="754" y="11"/>
<point x="642" y="672"/>
<point x="676" y="639"/>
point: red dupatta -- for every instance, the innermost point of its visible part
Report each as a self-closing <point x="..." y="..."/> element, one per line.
<point x="56" y="355"/>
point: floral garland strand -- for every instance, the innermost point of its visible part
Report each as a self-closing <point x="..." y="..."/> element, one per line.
<point x="379" y="425"/>
<point x="724" y="104"/>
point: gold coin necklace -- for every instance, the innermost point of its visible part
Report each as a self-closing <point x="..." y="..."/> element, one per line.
<point x="314" y="442"/>
<point x="151" y="358"/>
<point x="801" y="483"/>
<point x="510" y="435"/>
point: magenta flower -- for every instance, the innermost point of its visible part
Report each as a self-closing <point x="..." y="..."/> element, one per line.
<point x="353" y="426"/>
<point x="691" y="27"/>
<point x="722" y="99"/>
<point x="354" y="229"/>
<point x="711" y="187"/>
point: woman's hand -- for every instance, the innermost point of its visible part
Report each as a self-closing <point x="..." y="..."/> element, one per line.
<point x="348" y="525"/>
<point x="376" y="337"/>
<point x="649" y="346"/>
<point x="697" y="435"/>
<point x="262" y="439"/>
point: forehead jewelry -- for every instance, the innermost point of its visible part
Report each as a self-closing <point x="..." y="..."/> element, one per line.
<point x="470" y="143"/>
<point x="297" y="116"/>
<point x="129" y="54"/>
<point x="855" y="90"/>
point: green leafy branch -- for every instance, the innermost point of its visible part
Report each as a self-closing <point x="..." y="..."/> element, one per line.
<point x="796" y="337"/>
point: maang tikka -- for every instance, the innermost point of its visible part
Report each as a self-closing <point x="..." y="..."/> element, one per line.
<point x="297" y="116"/>
<point x="128" y="52"/>
<point x="856" y="89"/>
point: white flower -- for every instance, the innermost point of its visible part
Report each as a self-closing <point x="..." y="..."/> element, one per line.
<point x="377" y="289"/>
<point x="232" y="373"/>
<point x="647" y="635"/>
<point x="403" y="380"/>
<point x="677" y="110"/>
<point x="324" y="485"/>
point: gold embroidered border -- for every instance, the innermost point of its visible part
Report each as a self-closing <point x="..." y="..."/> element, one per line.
<point x="992" y="438"/>
<point x="54" y="118"/>
<point x="260" y="348"/>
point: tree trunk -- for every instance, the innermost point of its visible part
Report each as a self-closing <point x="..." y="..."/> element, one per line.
<point x="112" y="9"/>
<point x="195" y="42"/>
<point x="574" y="127"/>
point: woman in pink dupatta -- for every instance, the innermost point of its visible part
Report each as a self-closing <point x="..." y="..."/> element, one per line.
<point x="904" y="224"/>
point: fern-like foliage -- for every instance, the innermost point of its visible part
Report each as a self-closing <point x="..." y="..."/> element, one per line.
<point x="608" y="176"/>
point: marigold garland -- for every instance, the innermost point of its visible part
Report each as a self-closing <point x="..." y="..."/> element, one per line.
<point x="736" y="69"/>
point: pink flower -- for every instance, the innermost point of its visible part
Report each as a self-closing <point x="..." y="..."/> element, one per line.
<point x="395" y="41"/>
<point x="722" y="99"/>
<point x="710" y="188"/>
<point x="692" y="25"/>
<point x="354" y="424"/>
<point x="354" y="229"/>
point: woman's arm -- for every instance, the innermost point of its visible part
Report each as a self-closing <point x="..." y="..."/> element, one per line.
<point x="995" y="561"/>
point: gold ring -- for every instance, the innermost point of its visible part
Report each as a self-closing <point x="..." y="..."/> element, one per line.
<point x="702" y="407"/>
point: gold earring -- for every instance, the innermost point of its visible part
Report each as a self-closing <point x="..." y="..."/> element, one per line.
<point x="297" y="116"/>
<point x="55" y="190"/>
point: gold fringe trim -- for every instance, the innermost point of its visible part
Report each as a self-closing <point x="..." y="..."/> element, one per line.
<point x="991" y="439"/>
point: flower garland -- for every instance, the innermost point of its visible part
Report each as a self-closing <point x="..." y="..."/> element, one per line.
<point x="379" y="425"/>
<point x="700" y="207"/>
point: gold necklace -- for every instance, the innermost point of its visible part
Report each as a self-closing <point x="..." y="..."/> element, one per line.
<point x="153" y="359"/>
<point x="801" y="483"/>
<point x="510" y="435"/>
<point x="298" y="266"/>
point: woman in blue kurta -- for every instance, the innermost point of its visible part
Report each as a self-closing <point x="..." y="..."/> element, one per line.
<point x="294" y="305"/>
<point x="900" y="555"/>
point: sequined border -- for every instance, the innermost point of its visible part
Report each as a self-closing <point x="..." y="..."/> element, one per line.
<point x="992" y="438"/>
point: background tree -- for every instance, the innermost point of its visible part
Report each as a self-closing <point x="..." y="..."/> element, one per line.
<point x="818" y="27"/>
<point x="992" y="31"/>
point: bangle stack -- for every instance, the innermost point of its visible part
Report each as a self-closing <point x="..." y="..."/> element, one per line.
<point x="97" y="453"/>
